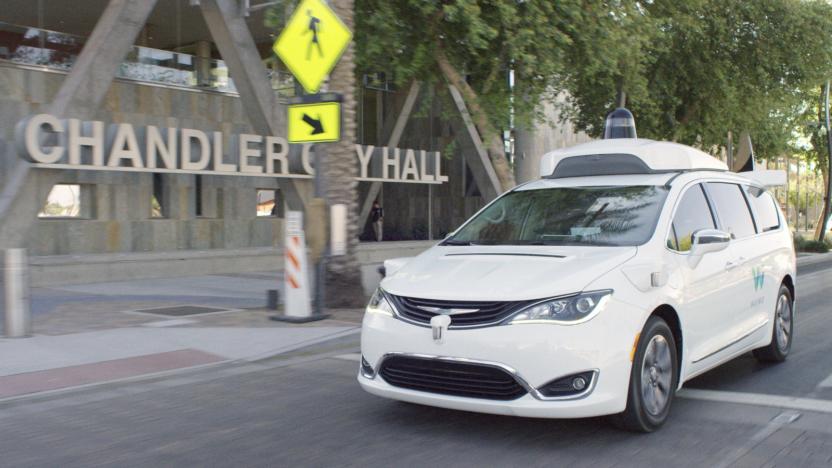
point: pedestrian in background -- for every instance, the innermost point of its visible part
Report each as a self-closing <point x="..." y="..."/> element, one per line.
<point x="378" y="219"/>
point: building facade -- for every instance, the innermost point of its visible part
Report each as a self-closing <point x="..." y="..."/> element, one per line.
<point x="174" y="77"/>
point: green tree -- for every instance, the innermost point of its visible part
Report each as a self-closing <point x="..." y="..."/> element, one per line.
<point x="813" y="146"/>
<point x="713" y="66"/>
<point x="473" y="44"/>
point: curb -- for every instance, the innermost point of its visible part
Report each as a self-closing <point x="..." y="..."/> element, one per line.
<point x="813" y="258"/>
<point x="183" y="370"/>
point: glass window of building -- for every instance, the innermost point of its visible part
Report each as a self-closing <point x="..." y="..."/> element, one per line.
<point x="68" y="201"/>
<point x="268" y="203"/>
<point x="157" y="200"/>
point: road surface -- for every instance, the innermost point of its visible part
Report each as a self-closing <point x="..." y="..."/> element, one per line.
<point x="307" y="410"/>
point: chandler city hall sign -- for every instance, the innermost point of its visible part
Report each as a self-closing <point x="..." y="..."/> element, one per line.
<point x="50" y="142"/>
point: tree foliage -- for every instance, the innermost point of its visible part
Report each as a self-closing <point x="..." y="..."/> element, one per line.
<point x="484" y="39"/>
<point x="712" y="66"/>
<point x="473" y="44"/>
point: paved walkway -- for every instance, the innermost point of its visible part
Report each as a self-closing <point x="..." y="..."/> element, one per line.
<point x="95" y="333"/>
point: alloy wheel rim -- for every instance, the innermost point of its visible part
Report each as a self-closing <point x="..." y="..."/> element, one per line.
<point x="783" y="322"/>
<point x="656" y="375"/>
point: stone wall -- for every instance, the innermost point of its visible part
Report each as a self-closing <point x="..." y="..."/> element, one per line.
<point x="120" y="219"/>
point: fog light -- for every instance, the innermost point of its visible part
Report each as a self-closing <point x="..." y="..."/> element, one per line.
<point x="579" y="383"/>
<point x="569" y="386"/>
<point x="366" y="369"/>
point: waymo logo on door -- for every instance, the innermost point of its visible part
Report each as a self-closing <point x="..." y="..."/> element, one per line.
<point x="759" y="278"/>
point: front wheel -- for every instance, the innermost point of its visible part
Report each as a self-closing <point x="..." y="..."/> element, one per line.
<point x="653" y="379"/>
<point x="783" y="332"/>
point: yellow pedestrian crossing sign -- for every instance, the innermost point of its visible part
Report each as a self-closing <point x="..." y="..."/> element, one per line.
<point x="317" y="122"/>
<point x="312" y="42"/>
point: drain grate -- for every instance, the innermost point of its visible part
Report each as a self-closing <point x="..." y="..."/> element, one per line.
<point x="180" y="311"/>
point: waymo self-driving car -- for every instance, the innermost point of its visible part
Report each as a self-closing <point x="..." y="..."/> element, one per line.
<point x="629" y="268"/>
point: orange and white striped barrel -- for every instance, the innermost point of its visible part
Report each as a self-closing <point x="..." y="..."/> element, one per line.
<point x="294" y="270"/>
<point x="293" y="264"/>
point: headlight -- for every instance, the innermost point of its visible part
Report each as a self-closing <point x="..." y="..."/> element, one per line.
<point x="379" y="304"/>
<point x="566" y="310"/>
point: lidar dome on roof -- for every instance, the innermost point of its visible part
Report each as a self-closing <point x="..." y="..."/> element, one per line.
<point x="656" y="155"/>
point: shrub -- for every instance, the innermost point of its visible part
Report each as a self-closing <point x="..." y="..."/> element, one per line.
<point x="810" y="245"/>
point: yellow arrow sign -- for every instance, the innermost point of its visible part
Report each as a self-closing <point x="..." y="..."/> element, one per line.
<point x="316" y="122"/>
<point x="311" y="43"/>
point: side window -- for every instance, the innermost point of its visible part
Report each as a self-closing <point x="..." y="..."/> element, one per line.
<point x="765" y="210"/>
<point x="732" y="209"/>
<point x="692" y="214"/>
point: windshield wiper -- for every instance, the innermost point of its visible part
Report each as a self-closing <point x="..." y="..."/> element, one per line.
<point x="455" y="242"/>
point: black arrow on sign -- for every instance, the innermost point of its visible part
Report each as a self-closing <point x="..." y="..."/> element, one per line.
<point x="315" y="124"/>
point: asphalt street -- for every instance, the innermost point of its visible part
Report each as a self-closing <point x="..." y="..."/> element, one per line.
<point x="306" y="409"/>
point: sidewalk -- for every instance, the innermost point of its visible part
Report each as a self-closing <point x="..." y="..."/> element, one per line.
<point x="102" y="332"/>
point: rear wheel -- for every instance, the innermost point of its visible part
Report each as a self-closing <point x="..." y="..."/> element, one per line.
<point x="653" y="379"/>
<point x="783" y="332"/>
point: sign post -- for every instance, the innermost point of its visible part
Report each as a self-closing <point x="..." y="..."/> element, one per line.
<point x="310" y="45"/>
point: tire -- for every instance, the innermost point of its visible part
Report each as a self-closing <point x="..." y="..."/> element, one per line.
<point x="782" y="334"/>
<point x="653" y="379"/>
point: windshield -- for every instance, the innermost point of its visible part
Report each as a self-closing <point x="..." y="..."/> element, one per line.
<point x="567" y="216"/>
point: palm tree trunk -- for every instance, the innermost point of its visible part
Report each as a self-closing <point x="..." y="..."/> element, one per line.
<point x="820" y="232"/>
<point x="343" y="285"/>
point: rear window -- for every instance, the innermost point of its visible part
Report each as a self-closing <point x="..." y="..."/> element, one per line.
<point x="765" y="209"/>
<point x="731" y="209"/>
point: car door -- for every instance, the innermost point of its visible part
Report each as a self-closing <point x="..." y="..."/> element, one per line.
<point x="703" y="292"/>
<point x="746" y="268"/>
<point x="767" y="246"/>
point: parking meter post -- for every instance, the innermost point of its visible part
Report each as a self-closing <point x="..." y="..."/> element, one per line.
<point x="17" y="320"/>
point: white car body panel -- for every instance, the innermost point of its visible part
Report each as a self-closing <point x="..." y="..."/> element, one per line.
<point x="723" y="311"/>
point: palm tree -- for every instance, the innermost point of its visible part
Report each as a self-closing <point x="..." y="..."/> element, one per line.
<point x="343" y="285"/>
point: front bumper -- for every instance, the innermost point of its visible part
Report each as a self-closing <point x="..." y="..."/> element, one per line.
<point x="535" y="353"/>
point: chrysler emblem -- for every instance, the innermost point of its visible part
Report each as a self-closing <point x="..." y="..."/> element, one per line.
<point x="449" y="311"/>
<point x="439" y="326"/>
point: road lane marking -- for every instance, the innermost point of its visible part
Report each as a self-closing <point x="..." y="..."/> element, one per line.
<point x="349" y="357"/>
<point x="759" y="399"/>
<point x="827" y="382"/>
<point x="782" y="419"/>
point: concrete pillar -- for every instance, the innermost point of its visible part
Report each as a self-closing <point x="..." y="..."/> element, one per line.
<point x="531" y="142"/>
<point x="80" y="96"/>
<point x="17" y="320"/>
<point x="237" y="48"/>
<point x="203" y="63"/>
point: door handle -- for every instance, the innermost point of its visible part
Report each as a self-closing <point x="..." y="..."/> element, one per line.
<point x="731" y="265"/>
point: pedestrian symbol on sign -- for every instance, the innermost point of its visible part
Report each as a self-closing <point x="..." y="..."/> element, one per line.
<point x="311" y="43"/>
<point x="315" y="29"/>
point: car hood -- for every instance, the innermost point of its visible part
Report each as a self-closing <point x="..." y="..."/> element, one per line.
<point x="503" y="273"/>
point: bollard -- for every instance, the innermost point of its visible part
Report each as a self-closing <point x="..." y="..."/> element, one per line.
<point x="16" y="293"/>
<point x="272" y="299"/>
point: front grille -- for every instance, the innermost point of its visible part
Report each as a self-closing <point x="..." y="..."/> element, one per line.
<point x="487" y="313"/>
<point x="450" y="378"/>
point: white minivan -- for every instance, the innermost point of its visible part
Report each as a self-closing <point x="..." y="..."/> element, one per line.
<point x="629" y="268"/>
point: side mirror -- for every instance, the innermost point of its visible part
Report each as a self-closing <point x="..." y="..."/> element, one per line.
<point x="705" y="241"/>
